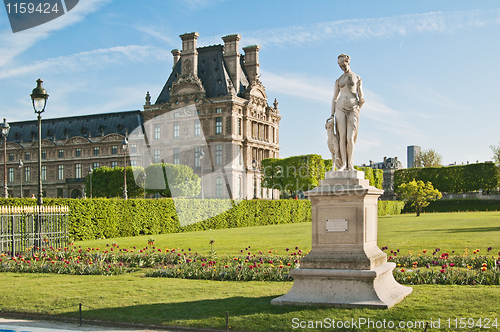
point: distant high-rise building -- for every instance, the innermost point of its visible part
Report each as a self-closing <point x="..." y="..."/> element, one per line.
<point x="413" y="151"/>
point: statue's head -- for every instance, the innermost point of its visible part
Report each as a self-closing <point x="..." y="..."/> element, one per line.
<point x="344" y="61"/>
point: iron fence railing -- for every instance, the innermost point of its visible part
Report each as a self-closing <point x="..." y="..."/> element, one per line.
<point x="25" y="228"/>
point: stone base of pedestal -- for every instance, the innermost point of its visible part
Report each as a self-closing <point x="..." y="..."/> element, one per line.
<point x="345" y="288"/>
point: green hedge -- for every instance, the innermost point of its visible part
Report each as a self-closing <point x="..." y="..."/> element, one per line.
<point x="105" y="218"/>
<point x="459" y="205"/>
<point x="390" y="207"/>
<point x="109" y="218"/>
<point x="453" y="179"/>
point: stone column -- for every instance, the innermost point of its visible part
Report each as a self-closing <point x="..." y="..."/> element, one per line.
<point x="345" y="268"/>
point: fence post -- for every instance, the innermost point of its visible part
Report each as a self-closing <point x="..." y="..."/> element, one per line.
<point x="13" y="237"/>
<point x="227" y="321"/>
<point x="80" y="310"/>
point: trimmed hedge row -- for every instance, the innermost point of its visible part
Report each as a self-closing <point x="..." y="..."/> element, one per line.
<point x="458" y="205"/>
<point x="108" y="218"/>
<point x="390" y="207"/>
<point x="104" y="218"/>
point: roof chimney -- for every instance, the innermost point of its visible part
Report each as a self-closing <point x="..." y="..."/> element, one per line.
<point x="189" y="54"/>
<point x="252" y="61"/>
<point x="177" y="55"/>
<point x="232" y="57"/>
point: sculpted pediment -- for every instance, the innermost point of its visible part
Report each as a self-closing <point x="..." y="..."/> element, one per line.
<point x="77" y="140"/>
<point x="112" y="137"/>
<point x="187" y="85"/>
<point x="45" y="142"/>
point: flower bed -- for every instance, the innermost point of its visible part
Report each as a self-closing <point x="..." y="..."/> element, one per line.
<point x="426" y="267"/>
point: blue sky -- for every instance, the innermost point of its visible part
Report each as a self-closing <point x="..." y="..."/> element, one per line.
<point x="429" y="68"/>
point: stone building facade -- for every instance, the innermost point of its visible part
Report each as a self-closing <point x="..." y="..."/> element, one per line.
<point x="388" y="166"/>
<point x="70" y="146"/>
<point x="213" y="102"/>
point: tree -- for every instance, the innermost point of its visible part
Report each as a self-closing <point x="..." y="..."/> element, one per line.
<point x="418" y="194"/>
<point x="496" y="153"/>
<point x="429" y="158"/>
<point x="293" y="174"/>
<point x="108" y="182"/>
<point x="172" y="180"/>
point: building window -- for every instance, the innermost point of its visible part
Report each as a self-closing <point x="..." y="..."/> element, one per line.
<point x="78" y="171"/>
<point x="114" y="149"/>
<point x="44" y="154"/>
<point x="239" y="126"/>
<point x="133" y="148"/>
<point x="218" y="187"/>
<point x="95" y="165"/>
<point x="11" y="175"/>
<point x="133" y="163"/>
<point x="176" y="114"/>
<point x="114" y="164"/>
<point x="197" y="128"/>
<point x="78" y="152"/>
<point x="218" y="125"/>
<point x="218" y="154"/>
<point x="11" y="157"/>
<point x="60" y="192"/>
<point x="157" y="156"/>
<point x="27" y="156"/>
<point x="61" y="153"/>
<point x="240" y="155"/>
<point x="176" y="129"/>
<point x="27" y="174"/>
<point x="96" y="151"/>
<point x="197" y="151"/>
<point x="44" y="173"/>
<point x="157" y="131"/>
<point x="60" y="172"/>
<point x="218" y="111"/>
<point x="176" y="156"/>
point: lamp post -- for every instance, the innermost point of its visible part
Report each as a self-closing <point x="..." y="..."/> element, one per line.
<point x="125" y="146"/>
<point x="201" y="154"/>
<point x="144" y="181"/>
<point x="39" y="98"/>
<point x="5" y="132"/>
<point x="20" y="164"/>
<point x="254" y="166"/>
<point x="90" y="174"/>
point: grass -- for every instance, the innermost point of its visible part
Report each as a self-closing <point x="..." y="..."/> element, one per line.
<point x="447" y="231"/>
<point x="200" y="303"/>
<point x="179" y="302"/>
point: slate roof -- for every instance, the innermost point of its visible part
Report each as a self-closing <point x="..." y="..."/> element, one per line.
<point x="212" y="72"/>
<point x="60" y="128"/>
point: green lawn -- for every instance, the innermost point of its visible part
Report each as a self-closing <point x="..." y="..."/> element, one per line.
<point x="447" y="231"/>
<point x="179" y="302"/>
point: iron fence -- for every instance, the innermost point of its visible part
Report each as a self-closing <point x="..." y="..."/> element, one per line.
<point x="32" y="228"/>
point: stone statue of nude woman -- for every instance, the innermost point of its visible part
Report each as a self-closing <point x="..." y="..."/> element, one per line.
<point x="346" y="103"/>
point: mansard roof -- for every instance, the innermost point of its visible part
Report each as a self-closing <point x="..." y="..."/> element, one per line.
<point x="213" y="73"/>
<point x="86" y="126"/>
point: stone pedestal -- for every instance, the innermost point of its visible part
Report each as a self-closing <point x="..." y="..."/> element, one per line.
<point x="345" y="267"/>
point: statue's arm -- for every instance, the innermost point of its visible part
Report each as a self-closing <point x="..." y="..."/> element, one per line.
<point x="360" y="93"/>
<point x="336" y="92"/>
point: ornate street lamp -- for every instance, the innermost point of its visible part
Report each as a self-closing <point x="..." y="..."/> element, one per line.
<point x="125" y="146"/>
<point x="201" y="154"/>
<point x="144" y="181"/>
<point x="39" y="98"/>
<point x="5" y="132"/>
<point x="90" y="174"/>
<point x="20" y="164"/>
<point x="254" y="166"/>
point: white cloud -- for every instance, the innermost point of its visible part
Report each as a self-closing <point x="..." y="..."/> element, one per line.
<point x="373" y="28"/>
<point x="91" y="59"/>
<point x="157" y="33"/>
<point x="12" y="44"/>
